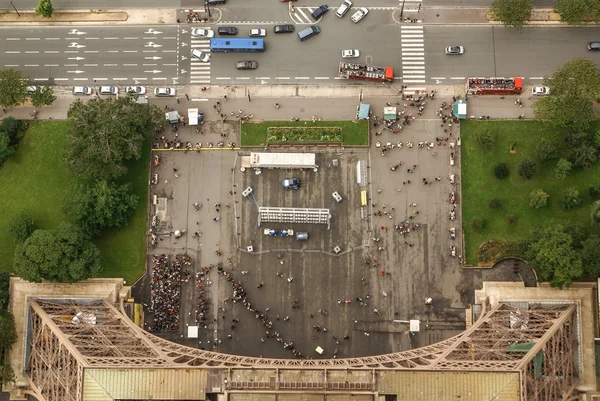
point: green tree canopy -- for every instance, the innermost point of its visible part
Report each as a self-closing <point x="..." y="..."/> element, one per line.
<point x="571" y="198"/>
<point x="100" y="205"/>
<point x="43" y="96"/>
<point x="21" y="226"/>
<point x="106" y="133"/>
<point x="562" y="169"/>
<point x="13" y="87"/>
<point x="583" y="157"/>
<point x="575" y="12"/>
<point x="5" y="148"/>
<point x="45" y="8"/>
<point x="590" y="256"/>
<point x="527" y="169"/>
<point x="64" y="254"/>
<point x="595" y="213"/>
<point x="8" y="333"/>
<point x="485" y="139"/>
<point x="7" y="375"/>
<point x="4" y="284"/>
<point x="501" y="171"/>
<point x="546" y="150"/>
<point x="550" y="251"/>
<point x="580" y="75"/>
<point x="538" y="198"/>
<point x="14" y="128"/>
<point x="574" y="110"/>
<point x="514" y="13"/>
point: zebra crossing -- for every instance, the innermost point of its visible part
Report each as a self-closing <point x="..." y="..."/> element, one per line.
<point x="302" y="15"/>
<point x="412" y="44"/>
<point x="199" y="71"/>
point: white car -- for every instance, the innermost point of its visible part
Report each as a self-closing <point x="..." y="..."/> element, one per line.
<point x="451" y="50"/>
<point x="82" y="90"/>
<point x="350" y="53"/>
<point x="108" y="90"/>
<point x="203" y="33"/>
<point x="344" y="8"/>
<point x="140" y="90"/>
<point x="164" y="92"/>
<point x="540" y="91"/>
<point x="257" y="32"/>
<point x="204" y="57"/>
<point x="360" y="14"/>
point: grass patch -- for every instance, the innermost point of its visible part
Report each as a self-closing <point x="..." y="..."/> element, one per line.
<point x="479" y="185"/>
<point x="354" y="133"/>
<point x="35" y="179"/>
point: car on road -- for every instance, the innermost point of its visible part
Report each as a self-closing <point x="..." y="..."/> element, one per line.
<point x="291" y="183"/>
<point x="286" y="28"/>
<point x="227" y="30"/>
<point x="287" y="1"/>
<point x="540" y="91"/>
<point x="452" y="50"/>
<point x="344" y="8"/>
<point x="164" y="92"/>
<point x="309" y="32"/>
<point x="82" y="90"/>
<point x="108" y="90"/>
<point x="319" y="12"/>
<point x="594" y="46"/>
<point x="31" y="89"/>
<point x="257" y="32"/>
<point x="360" y="14"/>
<point x="200" y="55"/>
<point x="216" y="1"/>
<point x="203" y="33"/>
<point x="352" y="53"/>
<point x="140" y="90"/>
<point x="246" y="65"/>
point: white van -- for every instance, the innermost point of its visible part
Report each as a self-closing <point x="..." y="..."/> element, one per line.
<point x="344" y="8"/>
<point x="82" y="90"/>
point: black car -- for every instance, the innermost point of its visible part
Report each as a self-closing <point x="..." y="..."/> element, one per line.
<point x="246" y="65"/>
<point x="594" y="46"/>
<point x="283" y="28"/>
<point x="319" y="12"/>
<point x="227" y="30"/>
<point x="216" y="1"/>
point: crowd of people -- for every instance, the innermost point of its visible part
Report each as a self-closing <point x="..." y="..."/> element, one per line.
<point x="165" y="290"/>
<point x="202" y="282"/>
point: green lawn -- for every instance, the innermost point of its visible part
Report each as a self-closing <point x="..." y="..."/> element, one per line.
<point x="35" y="179"/>
<point x="354" y="133"/>
<point x="479" y="184"/>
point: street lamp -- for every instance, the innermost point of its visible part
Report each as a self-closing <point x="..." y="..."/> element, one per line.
<point x="207" y="8"/>
<point x="11" y="3"/>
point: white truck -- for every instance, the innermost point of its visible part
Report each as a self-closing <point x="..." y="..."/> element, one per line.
<point x="282" y="160"/>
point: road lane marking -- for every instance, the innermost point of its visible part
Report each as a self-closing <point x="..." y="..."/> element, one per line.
<point x="61" y="79"/>
<point x="92" y="38"/>
<point x="32" y="65"/>
<point x="169" y="51"/>
<point x="71" y="51"/>
<point x="405" y="45"/>
<point x="51" y="51"/>
<point x="411" y="27"/>
<point x="457" y="77"/>
<point x="170" y="37"/>
<point x="13" y="38"/>
<point x="243" y="77"/>
<point x="222" y="77"/>
<point x="41" y="79"/>
<point x="413" y="74"/>
<point x="12" y="52"/>
<point x="111" y="38"/>
<point x="414" y="81"/>
<point x="91" y="51"/>
<point x="70" y="65"/>
<point x="100" y="79"/>
<point x="112" y="51"/>
<point x="412" y="67"/>
<point x="412" y="36"/>
<point x="80" y="79"/>
<point x="262" y="77"/>
<point x="409" y="54"/>
<point x="129" y="65"/>
<point x="412" y="41"/>
<point x="413" y="58"/>
<point x="150" y="51"/>
<point x="169" y="65"/>
<point x="149" y="64"/>
<point x="52" y="38"/>
<point x="32" y="52"/>
<point x="51" y="65"/>
<point x="413" y="63"/>
<point x="140" y="79"/>
<point x="130" y="37"/>
<point x="130" y="51"/>
<point x="321" y="77"/>
<point x="32" y="38"/>
<point x="11" y="65"/>
<point x="150" y="37"/>
<point x="302" y="78"/>
<point x="438" y="77"/>
<point x="158" y="79"/>
<point x="119" y="79"/>
<point x="200" y="81"/>
<point x="90" y="65"/>
<point x="536" y="78"/>
<point x="282" y="77"/>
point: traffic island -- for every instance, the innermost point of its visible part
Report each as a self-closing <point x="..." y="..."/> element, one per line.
<point x="305" y="133"/>
<point x="76" y="16"/>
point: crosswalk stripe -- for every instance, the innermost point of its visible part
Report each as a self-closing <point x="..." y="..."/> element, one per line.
<point x="404" y="45"/>
<point x="410" y="27"/>
<point x="411" y="41"/>
<point x="412" y="67"/>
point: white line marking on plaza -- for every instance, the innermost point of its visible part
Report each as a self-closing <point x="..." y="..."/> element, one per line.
<point x="199" y="100"/>
<point x="32" y="52"/>
<point x="457" y="77"/>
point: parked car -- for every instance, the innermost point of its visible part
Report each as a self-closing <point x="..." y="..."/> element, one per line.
<point x="540" y="91"/>
<point x="82" y="90"/>
<point x="164" y="92"/>
<point x="257" y="32"/>
<point x="309" y="32"/>
<point x="227" y="30"/>
<point x="594" y="46"/>
<point x="319" y="12"/>
<point x="452" y="50"/>
<point x="360" y="14"/>
<point x="344" y="8"/>
<point x="203" y="33"/>
<point x="246" y="65"/>
<point x="140" y="90"/>
<point x="202" y="56"/>
<point x="350" y="53"/>
<point x="108" y="90"/>
<point x="291" y="183"/>
<point x="286" y="28"/>
<point x="31" y="89"/>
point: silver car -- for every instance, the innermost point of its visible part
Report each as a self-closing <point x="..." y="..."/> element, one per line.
<point x="353" y="53"/>
<point x="203" y="33"/>
<point x="164" y="92"/>
<point x="360" y="14"/>
<point x="202" y="56"/>
<point x="140" y="90"/>
<point x="257" y="32"/>
<point x="452" y="50"/>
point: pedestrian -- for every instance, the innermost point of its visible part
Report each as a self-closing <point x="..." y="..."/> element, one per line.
<point x="187" y="97"/>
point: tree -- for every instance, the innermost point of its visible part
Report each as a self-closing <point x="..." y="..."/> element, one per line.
<point x="493" y="203"/>
<point x="576" y="12"/>
<point x="546" y="150"/>
<point x="538" y="198"/>
<point x="13" y="88"/>
<point x="583" y="157"/>
<point x="594" y="192"/>
<point x="573" y="110"/>
<point x="44" y="8"/>
<point x="527" y="169"/>
<point x="100" y="205"/>
<point x="5" y="148"/>
<point x="8" y="333"/>
<point x="43" y="96"/>
<point x="550" y="251"/>
<point x="4" y="284"/>
<point x="596" y="140"/>
<point x="106" y="133"/>
<point x="595" y="213"/>
<point x="14" y="128"/>
<point x="501" y="171"/>
<point x="590" y="255"/>
<point x="571" y="198"/>
<point x="485" y="138"/>
<point x="562" y="169"/>
<point x="64" y="254"/>
<point x="514" y="13"/>
<point x="21" y="226"/>
<point x="7" y="375"/>
<point x="510" y="218"/>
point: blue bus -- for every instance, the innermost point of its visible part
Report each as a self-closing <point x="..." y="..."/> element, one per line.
<point x="244" y="45"/>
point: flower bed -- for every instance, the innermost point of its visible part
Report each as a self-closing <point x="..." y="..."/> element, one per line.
<point x="304" y="134"/>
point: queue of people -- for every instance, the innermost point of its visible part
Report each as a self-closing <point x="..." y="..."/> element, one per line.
<point x="165" y="290"/>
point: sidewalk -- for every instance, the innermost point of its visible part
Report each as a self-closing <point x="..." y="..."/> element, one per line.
<point x="480" y="16"/>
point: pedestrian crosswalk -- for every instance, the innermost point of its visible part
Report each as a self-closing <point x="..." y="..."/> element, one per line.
<point x="199" y="71"/>
<point x="301" y="15"/>
<point x="412" y="44"/>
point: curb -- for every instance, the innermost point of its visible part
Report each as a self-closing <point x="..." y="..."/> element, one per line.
<point x="64" y="17"/>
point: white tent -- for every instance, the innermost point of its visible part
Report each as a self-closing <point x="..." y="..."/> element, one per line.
<point x="193" y="116"/>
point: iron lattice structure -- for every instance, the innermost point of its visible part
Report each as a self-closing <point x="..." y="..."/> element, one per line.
<point x="535" y="340"/>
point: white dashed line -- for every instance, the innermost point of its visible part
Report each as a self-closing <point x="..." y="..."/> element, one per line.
<point x="457" y="77"/>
